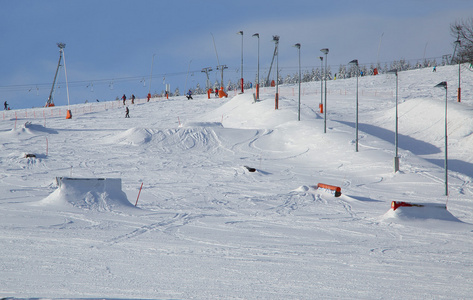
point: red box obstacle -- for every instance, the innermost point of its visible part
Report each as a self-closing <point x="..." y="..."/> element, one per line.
<point x="334" y="190"/>
<point x="396" y="204"/>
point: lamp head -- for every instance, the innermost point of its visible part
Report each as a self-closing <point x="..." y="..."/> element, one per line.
<point x="256" y="34"/>
<point x="443" y="84"/>
<point x="354" y="62"/>
<point x="240" y="32"/>
<point x="298" y="45"/>
<point x="324" y="50"/>
<point x="321" y="57"/>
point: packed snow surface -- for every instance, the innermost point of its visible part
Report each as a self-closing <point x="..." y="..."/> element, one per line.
<point x="205" y="227"/>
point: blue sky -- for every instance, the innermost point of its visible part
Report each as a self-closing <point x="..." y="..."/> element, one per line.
<point x="110" y="44"/>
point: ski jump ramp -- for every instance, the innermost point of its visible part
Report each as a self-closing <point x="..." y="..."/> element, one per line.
<point x="98" y="194"/>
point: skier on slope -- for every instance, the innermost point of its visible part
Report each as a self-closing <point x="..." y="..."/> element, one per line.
<point x="189" y="95"/>
<point x="124" y="99"/>
<point x="127" y="112"/>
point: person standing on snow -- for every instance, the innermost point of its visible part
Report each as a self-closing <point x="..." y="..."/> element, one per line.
<point x="6" y="105"/>
<point x="127" y="112"/>
<point x="132" y="98"/>
<point x="124" y="99"/>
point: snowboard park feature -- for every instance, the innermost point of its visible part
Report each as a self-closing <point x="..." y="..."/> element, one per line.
<point x="98" y="194"/>
<point x="205" y="227"/>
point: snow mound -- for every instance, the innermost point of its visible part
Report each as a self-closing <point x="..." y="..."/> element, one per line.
<point x="97" y="194"/>
<point x="425" y="211"/>
<point x="201" y="124"/>
<point x="30" y="129"/>
<point x="132" y="136"/>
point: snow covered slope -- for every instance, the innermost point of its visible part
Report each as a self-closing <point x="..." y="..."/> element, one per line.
<point x="207" y="228"/>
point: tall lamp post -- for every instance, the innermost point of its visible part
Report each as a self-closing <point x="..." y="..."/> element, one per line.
<point x="459" y="96"/>
<point x="321" y="105"/>
<point x="276" y="41"/>
<point x="355" y="63"/>
<point x="257" y="73"/>
<point x="396" y="157"/>
<point x="241" y="82"/>
<point x="325" y="51"/>
<point x="443" y="85"/>
<point x="151" y="76"/>
<point x="298" y="46"/>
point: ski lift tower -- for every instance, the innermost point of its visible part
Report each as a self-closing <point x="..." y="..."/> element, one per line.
<point x="206" y="71"/>
<point x="50" y="101"/>
<point x="221" y="68"/>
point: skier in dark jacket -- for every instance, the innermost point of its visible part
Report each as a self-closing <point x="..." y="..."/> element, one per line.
<point x="127" y="112"/>
<point x="124" y="99"/>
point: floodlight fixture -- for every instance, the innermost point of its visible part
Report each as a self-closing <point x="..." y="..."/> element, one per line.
<point x="241" y="80"/>
<point x="443" y="85"/>
<point x="458" y="43"/>
<point x="396" y="156"/>
<point x="321" y="105"/>
<point x="355" y="63"/>
<point x="257" y="73"/>
<point x="325" y="51"/>
<point x="298" y="46"/>
<point x="276" y="51"/>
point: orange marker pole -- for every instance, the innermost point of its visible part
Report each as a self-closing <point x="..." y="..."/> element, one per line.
<point x="139" y="194"/>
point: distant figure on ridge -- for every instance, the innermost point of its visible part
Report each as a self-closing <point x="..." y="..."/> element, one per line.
<point x="124" y="99"/>
<point x="132" y="98"/>
<point x="6" y="105"/>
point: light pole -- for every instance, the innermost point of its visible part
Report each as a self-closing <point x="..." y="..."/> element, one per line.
<point x="151" y="75"/>
<point x="396" y="157"/>
<point x="257" y="73"/>
<point x="325" y="51"/>
<point x="443" y="84"/>
<point x="241" y="32"/>
<point x="321" y="105"/>
<point x="459" y="96"/>
<point x="298" y="46"/>
<point x="276" y="41"/>
<point x="355" y="63"/>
